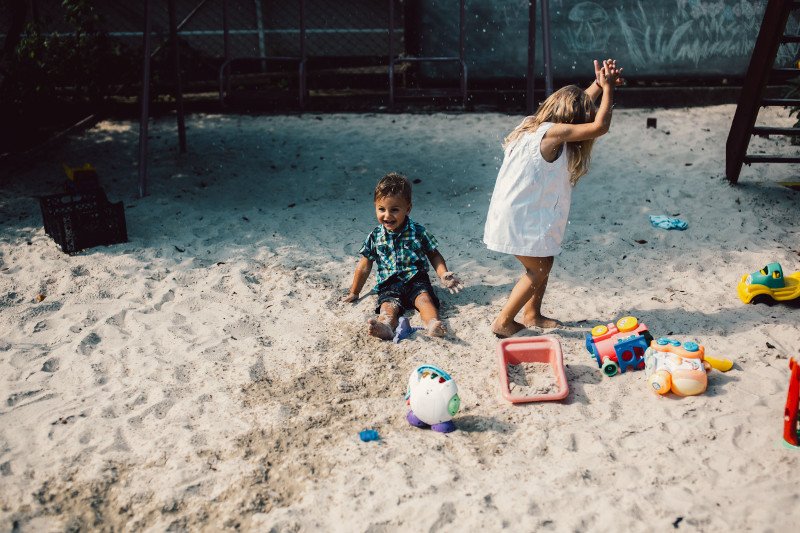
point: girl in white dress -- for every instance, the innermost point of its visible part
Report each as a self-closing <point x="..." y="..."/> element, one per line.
<point x="544" y="158"/>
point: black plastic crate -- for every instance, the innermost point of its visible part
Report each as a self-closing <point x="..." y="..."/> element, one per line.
<point x="84" y="220"/>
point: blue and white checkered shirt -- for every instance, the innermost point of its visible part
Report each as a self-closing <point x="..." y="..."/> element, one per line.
<point x="401" y="253"/>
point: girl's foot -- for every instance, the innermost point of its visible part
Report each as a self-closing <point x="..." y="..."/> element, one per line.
<point x="506" y="329"/>
<point x="435" y="328"/>
<point x="541" y="322"/>
<point x="379" y="329"/>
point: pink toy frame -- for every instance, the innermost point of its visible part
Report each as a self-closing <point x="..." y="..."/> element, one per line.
<point x="542" y="349"/>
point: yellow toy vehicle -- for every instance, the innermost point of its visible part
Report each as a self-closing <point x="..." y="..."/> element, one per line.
<point x="769" y="284"/>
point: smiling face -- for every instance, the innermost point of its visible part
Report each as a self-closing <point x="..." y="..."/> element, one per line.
<point x="391" y="212"/>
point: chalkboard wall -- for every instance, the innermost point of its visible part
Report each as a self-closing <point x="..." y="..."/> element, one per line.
<point x="650" y="38"/>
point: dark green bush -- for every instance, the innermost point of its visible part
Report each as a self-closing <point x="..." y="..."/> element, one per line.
<point x="78" y="65"/>
<point x="52" y="77"/>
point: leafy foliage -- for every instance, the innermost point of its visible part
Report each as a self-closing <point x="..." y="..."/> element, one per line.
<point x="74" y="66"/>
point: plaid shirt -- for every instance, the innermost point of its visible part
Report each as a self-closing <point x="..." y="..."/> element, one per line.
<point x="401" y="253"/>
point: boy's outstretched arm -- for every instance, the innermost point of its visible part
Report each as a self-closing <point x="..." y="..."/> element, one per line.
<point x="363" y="269"/>
<point x="449" y="280"/>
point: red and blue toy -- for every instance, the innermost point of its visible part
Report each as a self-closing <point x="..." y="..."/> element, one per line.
<point x="619" y="347"/>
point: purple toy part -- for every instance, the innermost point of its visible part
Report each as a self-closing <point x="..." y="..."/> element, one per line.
<point x="414" y="421"/>
<point x="444" y="427"/>
<point x="403" y="330"/>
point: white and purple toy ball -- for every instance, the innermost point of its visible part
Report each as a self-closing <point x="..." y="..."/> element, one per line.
<point x="433" y="398"/>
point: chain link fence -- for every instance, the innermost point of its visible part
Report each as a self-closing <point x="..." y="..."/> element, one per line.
<point x="340" y="33"/>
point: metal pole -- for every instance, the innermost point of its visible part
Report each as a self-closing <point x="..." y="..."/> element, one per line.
<point x="548" y="62"/>
<point x="461" y="51"/>
<point x="302" y="73"/>
<point x="262" y="47"/>
<point x="183" y="23"/>
<point x="225" y="39"/>
<point x="173" y="35"/>
<point x="391" y="54"/>
<point x="530" y="80"/>
<point x="35" y="12"/>
<point x="226" y="45"/>
<point x="145" y="115"/>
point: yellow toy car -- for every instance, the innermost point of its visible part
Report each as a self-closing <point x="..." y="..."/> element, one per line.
<point x="769" y="284"/>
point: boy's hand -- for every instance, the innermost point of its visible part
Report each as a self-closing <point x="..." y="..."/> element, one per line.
<point x="349" y="298"/>
<point x="451" y="282"/>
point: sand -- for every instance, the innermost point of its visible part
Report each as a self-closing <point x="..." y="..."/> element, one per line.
<point x="531" y="379"/>
<point x="205" y="375"/>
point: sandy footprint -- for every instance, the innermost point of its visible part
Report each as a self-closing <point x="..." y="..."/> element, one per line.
<point x="89" y="343"/>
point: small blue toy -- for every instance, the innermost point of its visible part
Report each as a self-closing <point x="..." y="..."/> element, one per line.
<point x="404" y="330"/>
<point x="368" y="435"/>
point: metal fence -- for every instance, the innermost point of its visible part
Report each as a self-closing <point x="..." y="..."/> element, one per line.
<point x="337" y="33"/>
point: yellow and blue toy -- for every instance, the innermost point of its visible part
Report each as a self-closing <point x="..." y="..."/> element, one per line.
<point x="616" y="347"/>
<point x="769" y="284"/>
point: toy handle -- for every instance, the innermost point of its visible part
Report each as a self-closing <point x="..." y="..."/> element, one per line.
<point x="720" y="363"/>
<point x="422" y="368"/>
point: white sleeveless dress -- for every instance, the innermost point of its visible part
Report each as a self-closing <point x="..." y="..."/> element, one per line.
<point x="530" y="205"/>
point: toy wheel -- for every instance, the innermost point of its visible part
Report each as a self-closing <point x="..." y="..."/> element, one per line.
<point x="599" y="330"/>
<point x="763" y="299"/>
<point x="627" y="323"/>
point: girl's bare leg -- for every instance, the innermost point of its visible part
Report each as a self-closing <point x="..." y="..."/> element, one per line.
<point x="429" y="315"/>
<point x="383" y="327"/>
<point x="528" y="290"/>
<point x="532" y="311"/>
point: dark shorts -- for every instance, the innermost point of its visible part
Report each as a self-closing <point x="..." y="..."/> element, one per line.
<point x="403" y="293"/>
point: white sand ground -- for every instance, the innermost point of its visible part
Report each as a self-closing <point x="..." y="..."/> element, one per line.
<point x="205" y="376"/>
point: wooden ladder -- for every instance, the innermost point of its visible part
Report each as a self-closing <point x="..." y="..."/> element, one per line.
<point x="760" y="73"/>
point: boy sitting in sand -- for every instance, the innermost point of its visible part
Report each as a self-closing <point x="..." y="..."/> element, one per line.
<point x="400" y="247"/>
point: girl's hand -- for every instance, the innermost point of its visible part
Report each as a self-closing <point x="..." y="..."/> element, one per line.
<point x="349" y="298"/>
<point x="608" y="74"/>
<point x="451" y="282"/>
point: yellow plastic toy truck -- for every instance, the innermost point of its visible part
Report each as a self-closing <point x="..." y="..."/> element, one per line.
<point x="768" y="285"/>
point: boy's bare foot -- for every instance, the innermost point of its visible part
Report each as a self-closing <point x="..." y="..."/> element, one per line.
<point x="541" y="322"/>
<point x="379" y="329"/>
<point x="435" y="328"/>
<point x="507" y="329"/>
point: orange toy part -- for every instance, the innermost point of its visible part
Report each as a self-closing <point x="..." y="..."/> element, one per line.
<point x="791" y="425"/>
<point x="680" y="368"/>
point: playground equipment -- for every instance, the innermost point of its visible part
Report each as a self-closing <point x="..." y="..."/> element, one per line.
<point x="761" y="72"/>
<point x="618" y="347"/>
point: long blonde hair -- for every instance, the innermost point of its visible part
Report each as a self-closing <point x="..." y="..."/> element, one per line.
<point x="568" y="105"/>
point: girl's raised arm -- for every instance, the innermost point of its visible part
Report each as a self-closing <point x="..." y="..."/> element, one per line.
<point x="607" y="78"/>
<point x="594" y="90"/>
